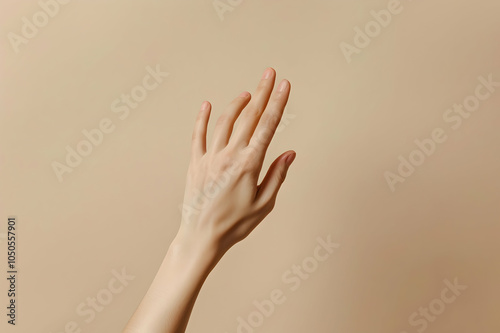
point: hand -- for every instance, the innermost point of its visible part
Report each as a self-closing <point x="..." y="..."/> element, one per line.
<point x="223" y="202"/>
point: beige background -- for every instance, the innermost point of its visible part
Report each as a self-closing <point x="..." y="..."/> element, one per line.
<point x="351" y="121"/>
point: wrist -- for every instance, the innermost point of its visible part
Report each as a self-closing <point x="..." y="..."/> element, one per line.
<point x="194" y="251"/>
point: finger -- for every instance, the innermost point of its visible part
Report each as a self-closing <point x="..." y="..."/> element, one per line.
<point x="199" y="138"/>
<point x="251" y="115"/>
<point x="225" y="123"/>
<point x="270" y="119"/>
<point x="268" y="190"/>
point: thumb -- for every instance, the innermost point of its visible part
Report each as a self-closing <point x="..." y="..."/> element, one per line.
<point x="275" y="176"/>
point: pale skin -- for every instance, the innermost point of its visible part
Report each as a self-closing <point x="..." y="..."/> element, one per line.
<point x="223" y="201"/>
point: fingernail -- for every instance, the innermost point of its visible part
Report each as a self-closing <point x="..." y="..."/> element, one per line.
<point x="267" y="73"/>
<point x="204" y="105"/>
<point x="244" y="94"/>
<point x="289" y="159"/>
<point x="283" y="85"/>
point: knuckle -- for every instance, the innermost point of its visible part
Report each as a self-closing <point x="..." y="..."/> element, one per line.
<point x="249" y="162"/>
<point x="250" y="152"/>
<point x="274" y="120"/>
<point x="263" y="136"/>
<point x="255" y="109"/>
<point x="258" y="110"/>
<point x="265" y="207"/>
<point x="223" y="119"/>
<point x="224" y="162"/>
<point x="248" y="166"/>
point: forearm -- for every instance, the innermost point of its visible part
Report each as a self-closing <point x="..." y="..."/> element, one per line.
<point x="168" y="303"/>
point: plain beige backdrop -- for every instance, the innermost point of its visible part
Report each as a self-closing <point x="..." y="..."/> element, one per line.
<point x="348" y="122"/>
